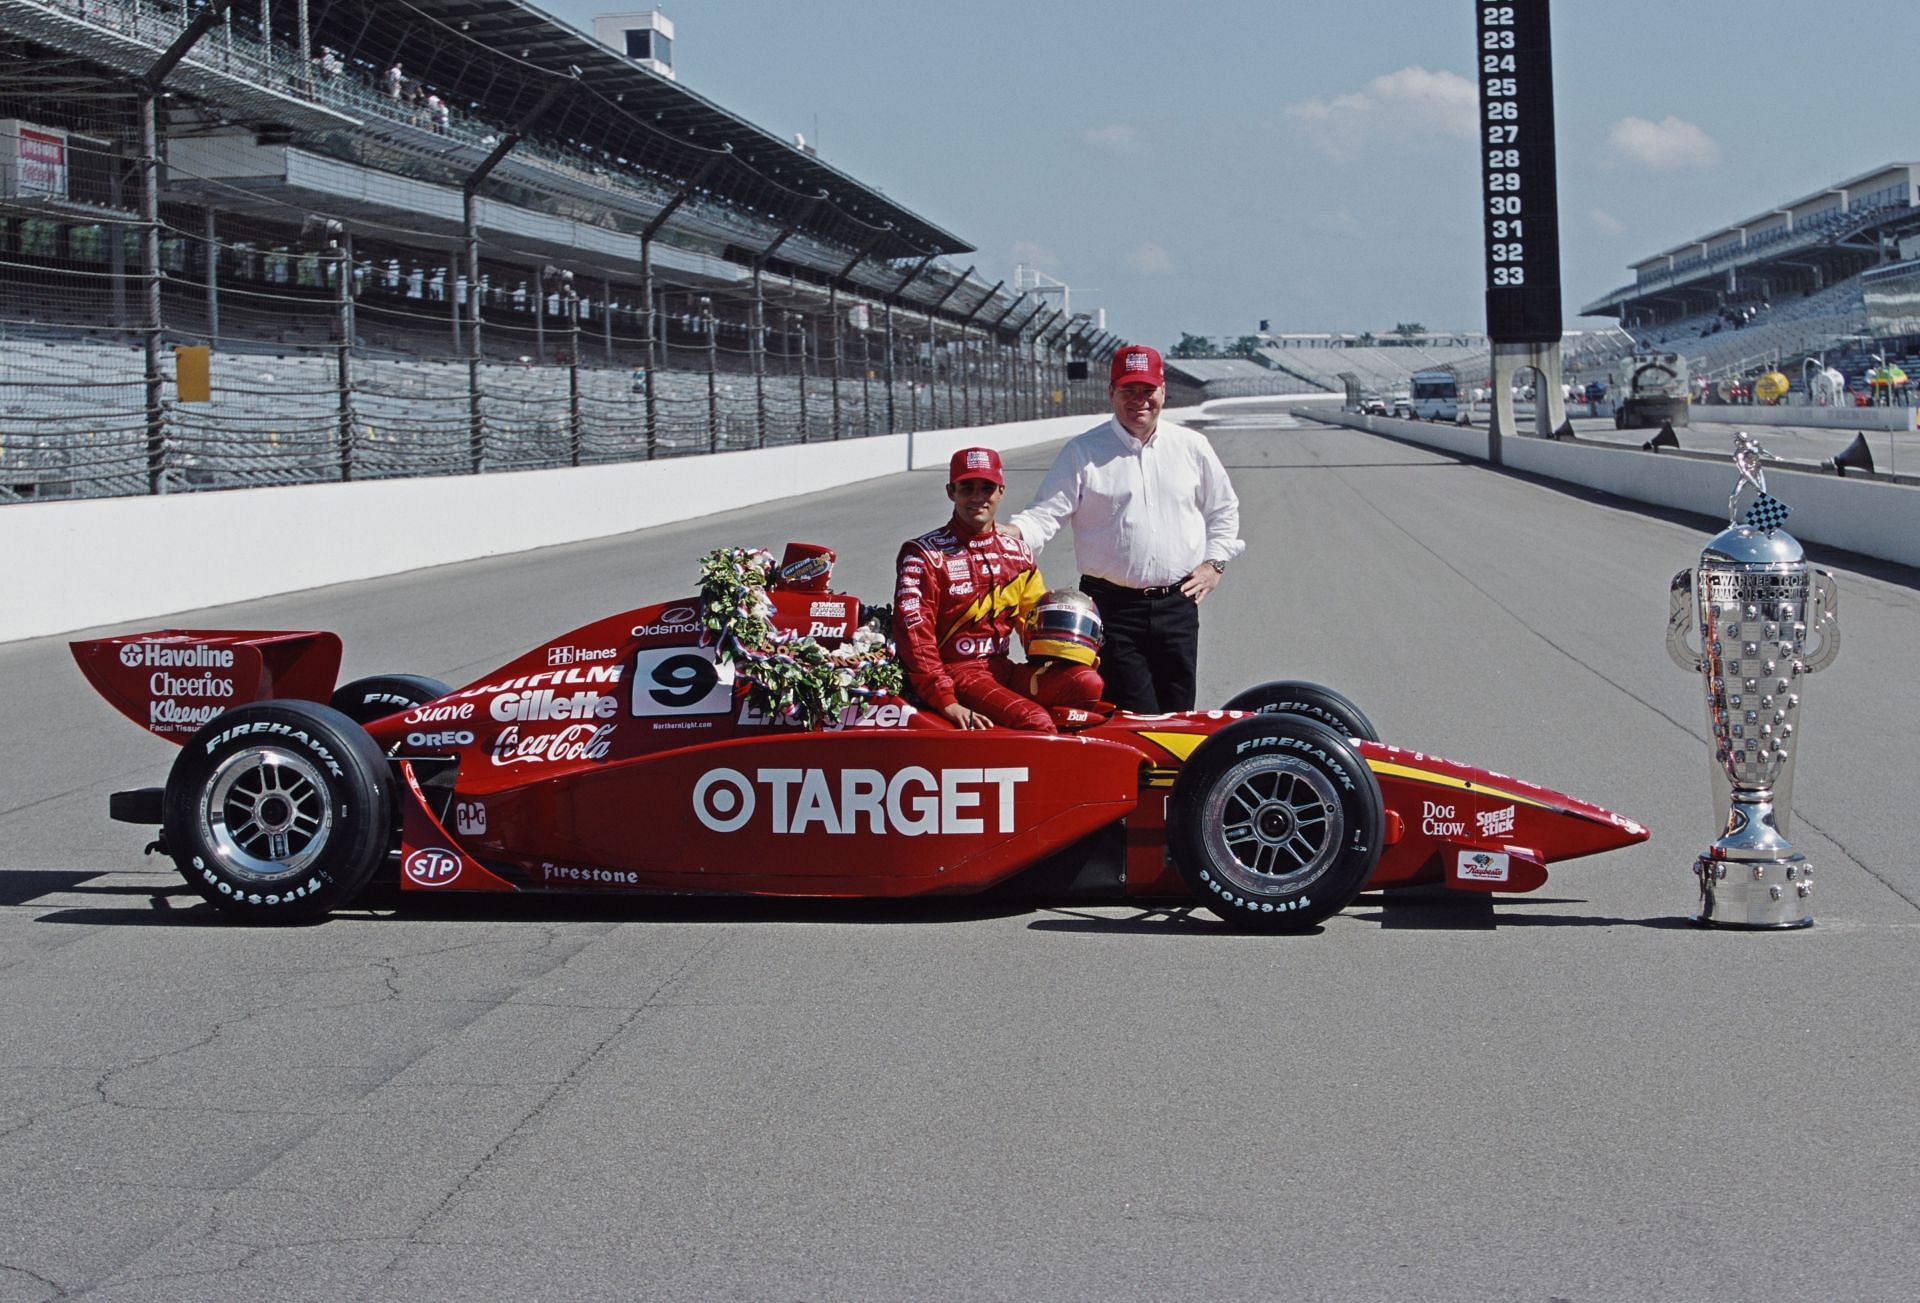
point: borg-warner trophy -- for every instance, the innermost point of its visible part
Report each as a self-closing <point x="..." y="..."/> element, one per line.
<point x="1766" y="620"/>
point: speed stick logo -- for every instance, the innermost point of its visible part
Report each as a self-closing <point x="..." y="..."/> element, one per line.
<point x="913" y="802"/>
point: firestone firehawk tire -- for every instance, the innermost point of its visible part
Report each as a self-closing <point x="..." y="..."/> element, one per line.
<point x="1297" y="697"/>
<point x="379" y="695"/>
<point x="279" y="811"/>
<point x="1276" y="823"/>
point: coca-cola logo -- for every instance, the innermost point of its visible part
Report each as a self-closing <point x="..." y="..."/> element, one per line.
<point x="432" y="866"/>
<point x="579" y="742"/>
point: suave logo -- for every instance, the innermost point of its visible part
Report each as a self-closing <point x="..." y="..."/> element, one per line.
<point x="914" y="802"/>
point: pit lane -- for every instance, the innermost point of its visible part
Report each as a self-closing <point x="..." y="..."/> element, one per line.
<point x="1566" y="1095"/>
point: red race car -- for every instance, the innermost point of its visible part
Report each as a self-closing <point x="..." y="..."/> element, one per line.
<point x="649" y="752"/>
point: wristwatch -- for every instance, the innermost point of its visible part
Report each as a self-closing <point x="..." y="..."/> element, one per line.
<point x="1219" y="567"/>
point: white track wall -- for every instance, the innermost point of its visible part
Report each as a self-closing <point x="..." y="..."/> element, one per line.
<point x="1873" y="517"/>
<point x="66" y="566"/>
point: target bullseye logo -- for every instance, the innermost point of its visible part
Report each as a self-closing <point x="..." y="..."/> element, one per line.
<point x="723" y="800"/>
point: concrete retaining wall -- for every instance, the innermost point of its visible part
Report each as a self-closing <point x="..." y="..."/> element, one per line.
<point x="1874" y="518"/>
<point x="1825" y="418"/>
<point x="74" y="565"/>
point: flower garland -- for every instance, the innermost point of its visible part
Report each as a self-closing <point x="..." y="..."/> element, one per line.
<point x="789" y="674"/>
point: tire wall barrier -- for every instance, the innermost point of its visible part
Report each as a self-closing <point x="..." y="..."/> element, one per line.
<point x="1875" y="518"/>
<point x="66" y="566"/>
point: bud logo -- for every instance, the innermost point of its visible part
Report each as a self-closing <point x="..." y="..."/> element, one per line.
<point x="432" y="866"/>
<point x="470" y="818"/>
<point x="1495" y="823"/>
<point x="914" y="802"/>
<point x="821" y="629"/>
<point x="156" y="655"/>
<point x="545" y="703"/>
<point x="1482" y="866"/>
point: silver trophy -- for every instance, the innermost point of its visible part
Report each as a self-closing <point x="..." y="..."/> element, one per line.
<point x="1766" y="620"/>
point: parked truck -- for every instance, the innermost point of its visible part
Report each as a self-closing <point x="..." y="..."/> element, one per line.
<point x="1656" y="393"/>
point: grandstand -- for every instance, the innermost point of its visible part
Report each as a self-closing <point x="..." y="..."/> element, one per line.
<point x="1781" y="286"/>
<point x="427" y="236"/>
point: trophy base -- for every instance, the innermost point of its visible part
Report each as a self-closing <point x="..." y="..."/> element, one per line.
<point x="1769" y="895"/>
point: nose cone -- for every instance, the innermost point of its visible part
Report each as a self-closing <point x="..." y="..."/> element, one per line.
<point x="1579" y="828"/>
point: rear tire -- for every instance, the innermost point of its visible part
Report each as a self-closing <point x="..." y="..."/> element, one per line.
<point x="1276" y="823"/>
<point x="279" y="811"/>
<point x="380" y="695"/>
<point x="1310" y="700"/>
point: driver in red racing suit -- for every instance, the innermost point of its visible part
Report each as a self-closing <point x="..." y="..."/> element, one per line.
<point x="959" y="595"/>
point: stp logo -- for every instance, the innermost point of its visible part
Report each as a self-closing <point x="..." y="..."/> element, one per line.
<point x="432" y="867"/>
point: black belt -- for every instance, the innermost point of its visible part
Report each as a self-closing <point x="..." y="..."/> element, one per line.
<point x="1094" y="584"/>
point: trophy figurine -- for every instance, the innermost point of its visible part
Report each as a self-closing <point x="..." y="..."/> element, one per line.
<point x="1766" y="620"/>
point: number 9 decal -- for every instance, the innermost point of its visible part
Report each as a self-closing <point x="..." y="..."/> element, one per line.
<point x="680" y="681"/>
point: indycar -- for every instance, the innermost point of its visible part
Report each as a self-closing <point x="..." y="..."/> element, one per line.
<point x="632" y="755"/>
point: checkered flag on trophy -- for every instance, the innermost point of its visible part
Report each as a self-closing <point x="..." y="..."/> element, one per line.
<point x="1767" y="513"/>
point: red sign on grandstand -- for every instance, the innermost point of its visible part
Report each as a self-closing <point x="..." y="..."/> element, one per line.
<point x="40" y="160"/>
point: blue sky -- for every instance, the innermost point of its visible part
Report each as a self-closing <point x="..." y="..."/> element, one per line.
<point x="1197" y="168"/>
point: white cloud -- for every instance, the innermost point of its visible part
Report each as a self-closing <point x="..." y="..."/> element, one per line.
<point x="1150" y="259"/>
<point x="1115" y="138"/>
<point x="1035" y="255"/>
<point x="1664" y="145"/>
<point x="1606" y="222"/>
<point x="1412" y="98"/>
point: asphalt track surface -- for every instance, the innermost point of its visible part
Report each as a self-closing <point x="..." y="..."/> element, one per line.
<point x="1571" y="1095"/>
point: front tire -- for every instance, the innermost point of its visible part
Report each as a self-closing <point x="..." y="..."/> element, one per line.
<point x="1311" y="700"/>
<point x="380" y="695"/>
<point x="279" y="811"/>
<point x="1276" y="823"/>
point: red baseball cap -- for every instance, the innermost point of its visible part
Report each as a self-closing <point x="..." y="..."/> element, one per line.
<point x="975" y="464"/>
<point x="1136" y="364"/>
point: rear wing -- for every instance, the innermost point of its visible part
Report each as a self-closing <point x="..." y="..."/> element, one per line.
<point x="172" y="681"/>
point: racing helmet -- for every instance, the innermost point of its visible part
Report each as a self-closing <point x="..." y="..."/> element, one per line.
<point x="805" y="568"/>
<point x="1066" y="626"/>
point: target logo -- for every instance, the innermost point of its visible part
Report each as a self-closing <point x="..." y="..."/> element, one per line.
<point x="912" y="802"/>
<point x="432" y="866"/>
<point x="723" y="800"/>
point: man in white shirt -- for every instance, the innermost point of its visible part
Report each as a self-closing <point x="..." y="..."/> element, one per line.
<point x="1155" y="522"/>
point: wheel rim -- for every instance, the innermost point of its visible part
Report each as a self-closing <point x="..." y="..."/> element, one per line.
<point x="1273" y="824"/>
<point x="267" y="814"/>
